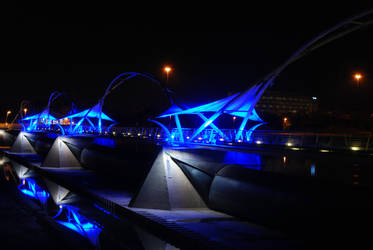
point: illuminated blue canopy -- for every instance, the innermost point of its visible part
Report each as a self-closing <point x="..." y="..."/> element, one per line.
<point x="42" y="115"/>
<point x="171" y="111"/>
<point x="237" y="105"/>
<point x="92" y="113"/>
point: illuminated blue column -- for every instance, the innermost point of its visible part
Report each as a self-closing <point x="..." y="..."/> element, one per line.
<point x="179" y="128"/>
<point x="90" y="122"/>
<point x="206" y="123"/>
<point x="251" y="130"/>
<point x="204" y="118"/>
<point x="168" y="134"/>
<point x="78" y="124"/>
<point x="99" y="126"/>
<point x="242" y="126"/>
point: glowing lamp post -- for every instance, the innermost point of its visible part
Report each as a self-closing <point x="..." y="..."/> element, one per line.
<point x="168" y="70"/>
<point x="25" y="111"/>
<point x="285" y="123"/>
<point x="358" y="77"/>
<point x="6" y="119"/>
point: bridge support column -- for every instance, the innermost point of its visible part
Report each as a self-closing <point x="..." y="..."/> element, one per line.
<point x="61" y="156"/>
<point x="59" y="194"/>
<point x="166" y="187"/>
<point x="22" y="144"/>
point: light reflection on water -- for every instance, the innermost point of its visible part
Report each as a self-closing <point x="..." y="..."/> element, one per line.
<point x="74" y="216"/>
<point x="331" y="168"/>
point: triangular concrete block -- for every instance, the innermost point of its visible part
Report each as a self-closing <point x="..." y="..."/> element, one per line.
<point x="21" y="171"/>
<point x="22" y="145"/>
<point x="60" y="156"/>
<point x="200" y="180"/>
<point x="57" y="192"/>
<point x="166" y="187"/>
<point x="6" y="138"/>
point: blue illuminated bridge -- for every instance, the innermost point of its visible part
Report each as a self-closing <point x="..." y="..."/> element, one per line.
<point x="169" y="186"/>
<point x="94" y="122"/>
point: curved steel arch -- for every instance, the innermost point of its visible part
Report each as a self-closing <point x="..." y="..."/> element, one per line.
<point x="111" y="87"/>
<point x="320" y="40"/>
<point x="163" y="127"/>
<point x="62" y="129"/>
<point x="356" y="22"/>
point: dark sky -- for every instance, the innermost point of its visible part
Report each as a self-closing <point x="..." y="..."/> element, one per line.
<point x="214" y="50"/>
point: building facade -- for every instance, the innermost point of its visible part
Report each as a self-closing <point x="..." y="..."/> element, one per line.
<point x="282" y="103"/>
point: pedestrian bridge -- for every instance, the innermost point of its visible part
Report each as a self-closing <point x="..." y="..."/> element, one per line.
<point x="166" y="170"/>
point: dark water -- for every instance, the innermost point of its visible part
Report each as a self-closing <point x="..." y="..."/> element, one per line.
<point x="39" y="222"/>
<point x="30" y="218"/>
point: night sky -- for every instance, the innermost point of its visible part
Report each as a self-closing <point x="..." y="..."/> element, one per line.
<point x="214" y="51"/>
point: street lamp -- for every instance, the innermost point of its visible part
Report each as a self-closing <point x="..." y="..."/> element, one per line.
<point x="6" y="119"/>
<point x="357" y="77"/>
<point x="285" y="123"/>
<point x="25" y="110"/>
<point x="167" y="69"/>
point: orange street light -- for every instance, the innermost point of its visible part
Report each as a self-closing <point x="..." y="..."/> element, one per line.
<point x="7" y="114"/>
<point x="285" y="123"/>
<point x="358" y="77"/>
<point x="167" y="69"/>
<point x="25" y="110"/>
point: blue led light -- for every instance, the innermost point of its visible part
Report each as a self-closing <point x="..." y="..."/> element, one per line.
<point x="248" y="160"/>
<point x="240" y="104"/>
<point x="30" y="188"/>
<point x="104" y="142"/>
<point x="79" y="223"/>
<point x="313" y="170"/>
<point x="105" y="211"/>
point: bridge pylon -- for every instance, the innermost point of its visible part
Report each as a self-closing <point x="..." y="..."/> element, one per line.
<point x="166" y="187"/>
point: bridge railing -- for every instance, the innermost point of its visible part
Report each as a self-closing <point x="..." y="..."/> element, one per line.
<point x="294" y="140"/>
<point x="291" y="139"/>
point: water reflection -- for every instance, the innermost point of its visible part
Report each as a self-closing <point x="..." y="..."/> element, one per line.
<point x="70" y="217"/>
<point x="100" y="228"/>
<point x="29" y="187"/>
<point x="247" y="160"/>
<point x="313" y="170"/>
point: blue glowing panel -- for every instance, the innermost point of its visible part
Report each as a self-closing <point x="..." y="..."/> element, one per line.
<point x="30" y="188"/>
<point x="93" y="113"/>
<point x="107" y="142"/>
<point x="253" y="116"/>
<point x="244" y="102"/>
<point x="210" y="107"/>
<point x="238" y="104"/>
<point x="80" y="224"/>
<point x="105" y="211"/>
<point x="28" y="193"/>
<point x="248" y="160"/>
<point x="173" y="109"/>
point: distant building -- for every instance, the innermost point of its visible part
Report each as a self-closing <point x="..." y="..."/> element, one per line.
<point x="285" y="103"/>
